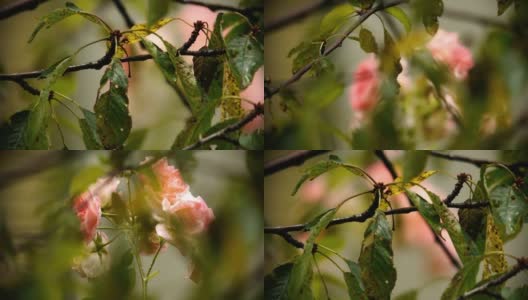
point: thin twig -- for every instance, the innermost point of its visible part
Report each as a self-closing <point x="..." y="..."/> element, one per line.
<point x="296" y="158"/>
<point x="123" y="11"/>
<point x="217" y="7"/>
<point x="476" y="162"/>
<point x="19" y="6"/>
<point x="258" y="110"/>
<point x="522" y="264"/>
<point x="299" y="74"/>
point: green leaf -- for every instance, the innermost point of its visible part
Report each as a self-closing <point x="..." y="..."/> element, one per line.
<point x="302" y="266"/>
<point x="12" y="132"/>
<point x="37" y="122"/>
<point x="84" y="178"/>
<point x="426" y="210"/>
<point x="276" y="283"/>
<point x="429" y="11"/>
<point x="463" y="280"/>
<point x="326" y="90"/>
<point x="157" y="9"/>
<point x="334" y="19"/>
<point x="509" y="207"/>
<point x="252" y="141"/>
<point x="307" y="52"/>
<point x="376" y="258"/>
<point x="135" y="139"/>
<point x="401" y="16"/>
<point x="89" y="131"/>
<point x="355" y="287"/>
<point x="402" y="186"/>
<point x="113" y="120"/>
<point x="367" y="41"/>
<point x="414" y="163"/>
<point x="465" y="248"/>
<point x="323" y="167"/>
<point x="503" y="5"/>
<point x="184" y="78"/>
<point x="63" y="13"/>
<point x="196" y="126"/>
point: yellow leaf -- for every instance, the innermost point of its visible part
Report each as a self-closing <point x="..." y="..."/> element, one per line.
<point x="495" y="264"/>
<point x="401" y="186"/>
<point x="139" y="31"/>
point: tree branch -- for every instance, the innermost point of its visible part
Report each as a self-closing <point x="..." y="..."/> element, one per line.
<point x="217" y="7"/>
<point x="258" y="110"/>
<point x="334" y="46"/>
<point x="296" y="158"/>
<point x="123" y="11"/>
<point x="476" y="162"/>
<point x="18" y="7"/>
<point x="522" y="264"/>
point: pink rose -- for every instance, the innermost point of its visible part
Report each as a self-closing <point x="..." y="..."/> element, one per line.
<point x="192" y="212"/>
<point x="446" y="48"/>
<point x="87" y="206"/>
<point x="169" y="178"/>
<point x="363" y="94"/>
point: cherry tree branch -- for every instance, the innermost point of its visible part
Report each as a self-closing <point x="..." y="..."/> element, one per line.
<point x="17" y="7"/>
<point x="477" y="162"/>
<point x="365" y="15"/>
<point x="296" y="158"/>
<point x="258" y="110"/>
<point x="522" y="264"/>
<point x="218" y="7"/>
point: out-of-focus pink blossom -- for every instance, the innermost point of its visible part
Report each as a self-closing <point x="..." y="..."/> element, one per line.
<point x="103" y="188"/>
<point x="445" y="47"/>
<point x="313" y="190"/>
<point x="176" y="199"/>
<point x="363" y="94"/>
<point x="87" y="206"/>
<point x="94" y="262"/>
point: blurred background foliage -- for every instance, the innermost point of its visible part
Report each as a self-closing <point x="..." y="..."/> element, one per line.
<point x="157" y="112"/>
<point x="314" y="113"/>
<point x="39" y="232"/>
<point x="420" y="263"/>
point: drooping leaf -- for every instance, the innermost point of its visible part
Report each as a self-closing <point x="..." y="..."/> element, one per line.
<point x="113" y="120"/>
<point x="401" y="186"/>
<point x="334" y="19"/>
<point x="323" y="167"/>
<point x="495" y="264"/>
<point x="464" y="246"/>
<point x="426" y="210"/>
<point x="157" y="9"/>
<point x="84" y="178"/>
<point x="89" y="130"/>
<point x="414" y="163"/>
<point x="376" y="259"/>
<point x="12" y="132"/>
<point x="139" y="31"/>
<point x="429" y="11"/>
<point x="463" y="280"/>
<point x="244" y="52"/>
<point x="135" y="139"/>
<point x="401" y="16"/>
<point x="367" y="41"/>
<point x="355" y="287"/>
<point x="37" y="122"/>
<point x="63" y="13"/>
<point x="302" y="265"/>
<point x="503" y="5"/>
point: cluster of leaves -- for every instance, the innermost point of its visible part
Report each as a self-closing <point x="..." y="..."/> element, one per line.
<point x="293" y="125"/>
<point x="478" y="234"/>
<point x="211" y="83"/>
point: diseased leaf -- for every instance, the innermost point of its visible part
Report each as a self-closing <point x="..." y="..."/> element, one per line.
<point x="376" y="259"/>
<point x="465" y="247"/>
<point x="402" y="186"/>
<point x="139" y="31"/>
<point x="334" y="19"/>
<point x="509" y="207"/>
<point x="355" y="287"/>
<point x="89" y="131"/>
<point x="157" y="9"/>
<point x="63" y="13"/>
<point x="302" y="265"/>
<point x="276" y="283"/>
<point x="113" y="120"/>
<point x="495" y="264"/>
<point x="367" y="41"/>
<point x="206" y="70"/>
<point x="401" y="16"/>
<point x="245" y="57"/>
<point x="427" y="211"/>
<point x="231" y="103"/>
